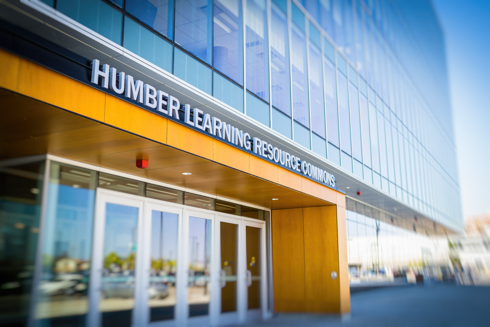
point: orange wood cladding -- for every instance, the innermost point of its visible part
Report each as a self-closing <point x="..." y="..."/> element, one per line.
<point x="118" y="132"/>
<point x="305" y="251"/>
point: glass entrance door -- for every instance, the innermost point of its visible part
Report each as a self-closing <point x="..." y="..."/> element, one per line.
<point x="161" y="264"/>
<point x="198" y="250"/>
<point x="255" y="271"/>
<point x="115" y="284"/>
<point x="229" y="270"/>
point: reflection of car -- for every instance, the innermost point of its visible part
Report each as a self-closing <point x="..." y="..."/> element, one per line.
<point x="123" y="287"/>
<point x="64" y="284"/>
<point x="354" y="272"/>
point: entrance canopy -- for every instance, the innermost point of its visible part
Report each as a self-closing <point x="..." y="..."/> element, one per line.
<point x="34" y="128"/>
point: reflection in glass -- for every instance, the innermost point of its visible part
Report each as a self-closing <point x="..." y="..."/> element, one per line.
<point x="198" y="292"/>
<point x="199" y="201"/>
<point x="356" y="124"/>
<point x="374" y="136"/>
<point x="331" y="101"/>
<point x="253" y="266"/>
<point x="20" y="202"/>
<point x="229" y="255"/>
<point x="281" y="98"/>
<point x="344" y="114"/>
<point x="193" y="19"/>
<point x="300" y="88"/>
<point x="316" y="91"/>
<point x="366" y="143"/>
<point x="67" y="246"/>
<point x="253" y="213"/>
<point x="228" y="45"/>
<point x="382" y="144"/>
<point x="257" y="49"/>
<point x="164" y="193"/>
<point x="228" y="207"/>
<point x="118" y="274"/>
<point x="121" y="184"/>
<point x="158" y="14"/>
<point x="163" y="252"/>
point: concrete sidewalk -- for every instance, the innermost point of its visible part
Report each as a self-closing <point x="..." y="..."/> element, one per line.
<point x="437" y="305"/>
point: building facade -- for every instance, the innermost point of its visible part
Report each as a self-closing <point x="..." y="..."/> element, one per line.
<point x="208" y="162"/>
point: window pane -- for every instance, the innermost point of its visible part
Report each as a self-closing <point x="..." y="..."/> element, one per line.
<point x="158" y="14"/>
<point x="228" y="207"/>
<point x="356" y="126"/>
<point x="360" y="40"/>
<point x="331" y="102"/>
<point x="326" y="16"/>
<point x="228" y="92"/>
<point x="367" y="52"/>
<point x="389" y="152"/>
<point x="366" y="143"/>
<point x="67" y="245"/>
<point x="312" y="7"/>
<point x="374" y="137"/>
<point x="257" y="49"/>
<point x="163" y="252"/>
<point x="316" y="91"/>
<point x="193" y="19"/>
<point x="300" y="90"/>
<point x="192" y="71"/>
<point x="20" y="207"/>
<point x="344" y="114"/>
<point x="228" y="47"/>
<point x="382" y="145"/>
<point x="198" y="295"/>
<point x="396" y="156"/>
<point x="281" y="123"/>
<point x="301" y="135"/>
<point x="258" y="109"/>
<point x="338" y="27"/>
<point x="119" y="273"/>
<point x="121" y="184"/>
<point x="147" y="44"/>
<point x="96" y="15"/>
<point x="349" y="31"/>
<point x="165" y="194"/>
<point x="281" y="98"/>
<point x="199" y="201"/>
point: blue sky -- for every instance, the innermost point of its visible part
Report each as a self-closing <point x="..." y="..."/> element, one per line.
<point x="466" y="25"/>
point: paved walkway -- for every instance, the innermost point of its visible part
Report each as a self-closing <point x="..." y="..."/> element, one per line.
<point x="436" y="305"/>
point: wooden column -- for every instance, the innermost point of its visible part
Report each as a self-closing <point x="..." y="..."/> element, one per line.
<point x="308" y="244"/>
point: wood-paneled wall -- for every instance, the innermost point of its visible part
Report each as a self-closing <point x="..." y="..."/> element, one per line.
<point x="307" y="246"/>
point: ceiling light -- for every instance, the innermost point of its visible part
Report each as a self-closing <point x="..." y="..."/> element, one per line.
<point x="186" y="174"/>
<point x="275" y="199"/>
<point x="348" y="187"/>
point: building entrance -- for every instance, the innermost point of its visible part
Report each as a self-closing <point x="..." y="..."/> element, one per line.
<point x="159" y="264"/>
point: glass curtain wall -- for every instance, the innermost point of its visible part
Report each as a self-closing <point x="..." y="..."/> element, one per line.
<point x="299" y="68"/>
<point x="257" y="52"/>
<point x="21" y="189"/>
<point x="411" y="103"/>
<point x="280" y="83"/>
<point x="227" y="38"/>
<point x="67" y="246"/>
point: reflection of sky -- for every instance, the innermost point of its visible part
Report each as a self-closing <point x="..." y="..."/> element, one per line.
<point x="199" y="240"/>
<point x="72" y="222"/>
<point x="164" y="235"/>
<point x="121" y="229"/>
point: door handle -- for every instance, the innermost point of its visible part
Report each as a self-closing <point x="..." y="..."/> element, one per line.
<point x="222" y="278"/>
<point x="249" y="278"/>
